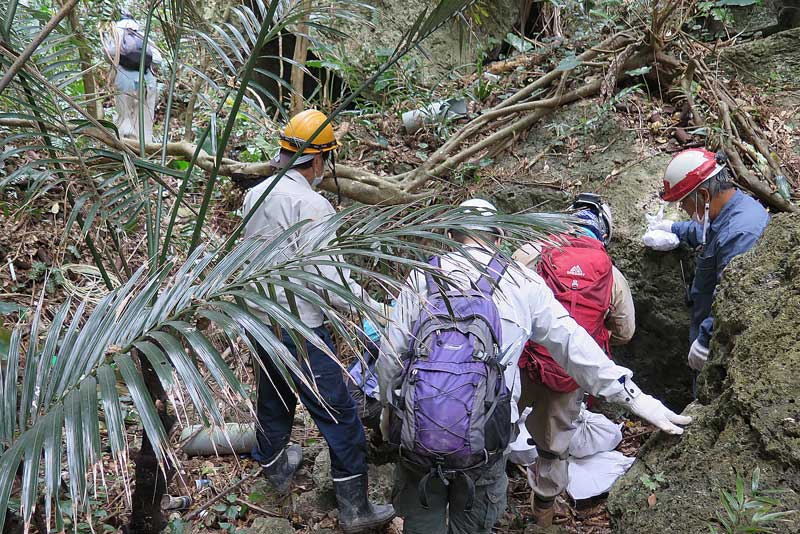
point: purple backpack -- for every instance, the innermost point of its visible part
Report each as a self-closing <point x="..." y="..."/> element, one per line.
<point x="454" y="410"/>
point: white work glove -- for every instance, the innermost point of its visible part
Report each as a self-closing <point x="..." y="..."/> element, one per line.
<point x="660" y="240"/>
<point x="659" y="234"/>
<point x="698" y="356"/>
<point x="664" y="226"/>
<point x="385" y="413"/>
<point x="649" y="409"/>
<point x="657" y="221"/>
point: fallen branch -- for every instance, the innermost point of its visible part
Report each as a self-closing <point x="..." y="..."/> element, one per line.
<point x="746" y="178"/>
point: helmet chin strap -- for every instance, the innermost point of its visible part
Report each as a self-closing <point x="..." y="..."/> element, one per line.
<point x="335" y="179"/>
<point x="706" y="222"/>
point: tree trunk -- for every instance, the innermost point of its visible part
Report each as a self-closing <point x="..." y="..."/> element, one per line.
<point x="300" y="56"/>
<point x="95" y="103"/>
<point x="150" y="482"/>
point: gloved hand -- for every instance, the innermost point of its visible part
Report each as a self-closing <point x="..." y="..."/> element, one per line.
<point x="659" y="234"/>
<point x="650" y="409"/>
<point x="698" y="355"/>
<point x="385" y="423"/>
<point x="657" y="221"/>
<point x="370" y="331"/>
<point x="664" y="225"/>
<point x="660" y="240"/>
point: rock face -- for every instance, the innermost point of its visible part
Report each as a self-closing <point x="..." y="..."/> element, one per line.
<point x="775" y="58"/>
<point x="628" y="177"/>
<point x="449" y="48"/>
<point x="750" y="415"/>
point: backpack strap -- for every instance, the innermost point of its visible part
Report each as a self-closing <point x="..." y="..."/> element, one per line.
<point x="433" y="284"/>
<point x="495" y="269"/>
<point x="436" y="471"/>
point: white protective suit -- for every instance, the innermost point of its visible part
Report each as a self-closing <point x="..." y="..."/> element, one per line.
<point x="126" y="83"/>
<point x="528" y="310"/>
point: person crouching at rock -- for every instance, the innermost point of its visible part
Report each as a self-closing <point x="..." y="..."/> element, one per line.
<point x="450" y="346"/>
<point x="725" y="223"/>
<point x="124" y="46"/>
<point x="577" y="268"/>
<point x="292" y="200"/>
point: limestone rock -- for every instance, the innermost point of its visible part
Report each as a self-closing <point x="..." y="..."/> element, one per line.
<point x="775" y="58"/>
<point x="444" y="50"/>
<point x="381" y="479"/>
<point x="749" y="417"/>
<point x="321" y="474"/>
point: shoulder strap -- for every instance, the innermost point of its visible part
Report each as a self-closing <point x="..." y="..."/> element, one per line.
<point x="432" y="284"/>
<point x="495" y="270"/>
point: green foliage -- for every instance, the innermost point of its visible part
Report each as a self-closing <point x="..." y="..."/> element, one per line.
<point x="568" y="63"/>
<point x="68" y="360"/>
<point x="748" y="511"/>
<point x="153" y="316"/>
<point x="653" y="483"/>
<point x="520" y="45"/>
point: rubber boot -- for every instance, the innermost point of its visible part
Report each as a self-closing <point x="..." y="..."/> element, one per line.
<point x="543" y="511"/>
<point x="280" y="471"/>
<point x="356" y="512"/>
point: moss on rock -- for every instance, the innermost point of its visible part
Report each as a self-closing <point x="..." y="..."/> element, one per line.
<point x="776" y="58"/>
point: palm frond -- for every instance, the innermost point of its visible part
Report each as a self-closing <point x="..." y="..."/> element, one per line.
<point x="71" y="374"/>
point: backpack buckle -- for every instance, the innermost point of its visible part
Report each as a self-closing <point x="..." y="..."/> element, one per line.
<point x="441" y="475"/>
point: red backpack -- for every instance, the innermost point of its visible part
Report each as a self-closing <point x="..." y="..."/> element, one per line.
<point x="580" y="274"/>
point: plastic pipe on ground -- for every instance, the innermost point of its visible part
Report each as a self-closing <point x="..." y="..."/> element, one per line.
<point x="209" y="442"/>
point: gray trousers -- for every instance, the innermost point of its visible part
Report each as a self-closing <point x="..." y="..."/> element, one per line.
<point x="445" y="513"/>
<point x="551" y="425"/>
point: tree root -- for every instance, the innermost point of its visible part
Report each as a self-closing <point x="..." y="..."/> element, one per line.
<point x="496" y="128"/>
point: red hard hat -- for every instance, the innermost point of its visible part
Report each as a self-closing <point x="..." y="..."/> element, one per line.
<point x="687" y="170"/>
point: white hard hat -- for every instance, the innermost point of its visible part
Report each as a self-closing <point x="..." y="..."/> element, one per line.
<point x="687" y="170"/>
<point x="482" y="207"/>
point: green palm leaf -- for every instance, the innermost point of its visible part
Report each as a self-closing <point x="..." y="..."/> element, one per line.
<point x="154" y="313"/>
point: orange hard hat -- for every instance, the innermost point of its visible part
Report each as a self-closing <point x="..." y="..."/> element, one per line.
<point x="301" y="128"/>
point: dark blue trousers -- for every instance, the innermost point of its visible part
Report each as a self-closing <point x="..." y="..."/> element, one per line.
<point x="339" y="424"/>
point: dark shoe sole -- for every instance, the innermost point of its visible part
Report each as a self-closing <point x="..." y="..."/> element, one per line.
<point x="355" y="529"/>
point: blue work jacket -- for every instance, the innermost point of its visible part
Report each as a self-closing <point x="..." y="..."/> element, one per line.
<point x="734" y="231"/>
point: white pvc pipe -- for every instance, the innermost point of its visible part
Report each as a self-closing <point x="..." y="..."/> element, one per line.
<point x="210" y="442"/>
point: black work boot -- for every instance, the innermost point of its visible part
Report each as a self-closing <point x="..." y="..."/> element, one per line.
<point x="282" y="468"/>
<point x="356" y="512"/>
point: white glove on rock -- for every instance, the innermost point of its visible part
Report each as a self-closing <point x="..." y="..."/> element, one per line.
<point x="661" y="240"/>
<point x="649" y="409"/>
<point x="698" y="355"/>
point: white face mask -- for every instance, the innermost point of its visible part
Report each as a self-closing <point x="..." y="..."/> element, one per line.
<point x="318" y="178"/>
